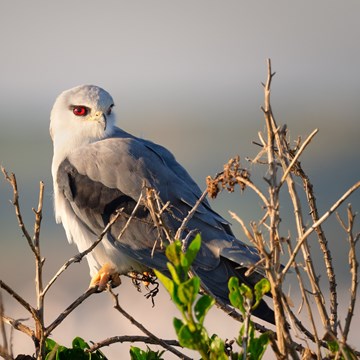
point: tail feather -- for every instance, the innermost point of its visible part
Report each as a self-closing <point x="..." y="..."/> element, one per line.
<point x="217" y="279"/>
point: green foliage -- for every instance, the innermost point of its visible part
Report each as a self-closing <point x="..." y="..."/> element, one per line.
<point x="78" y="351"/>
<point x="241" y="294"/>
<point x="341" y="352"/>
<point x="184" y="292"/>
<point x="246" y="300"/>
<point x="138" y="354"/>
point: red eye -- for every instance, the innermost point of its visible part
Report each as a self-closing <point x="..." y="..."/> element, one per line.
<point x="80" y="110"/>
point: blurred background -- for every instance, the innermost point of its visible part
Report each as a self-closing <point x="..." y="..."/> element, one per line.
<point x="186" y="74"/>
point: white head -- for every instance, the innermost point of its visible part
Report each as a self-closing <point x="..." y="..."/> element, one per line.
<point x="81" y="115"/>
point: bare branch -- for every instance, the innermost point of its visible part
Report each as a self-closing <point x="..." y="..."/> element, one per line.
<point x="69" y="309"/>
<point x="317" y="223"/>
<point x="141" y="327"/>
<point x="323" y="245"/>
<point x="80" y="256"/>
<point x="131" y="216"/>
<point x="4" y="354"/>
<point x="18" y="325"/>
<point x="130" y="338"/>
<point x="296" y="157"/>
<point x="2" y="327"/>
<point x="190" y="214"/>
<point x="12" y="180"/>
<point x="354" y="267"/>
<point x="18" y="298"/>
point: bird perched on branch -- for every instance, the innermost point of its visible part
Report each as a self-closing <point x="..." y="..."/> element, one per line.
<point x="98" y="169"/>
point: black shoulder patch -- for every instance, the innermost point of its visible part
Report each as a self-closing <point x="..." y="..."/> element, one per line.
<point x="92" y="197"/>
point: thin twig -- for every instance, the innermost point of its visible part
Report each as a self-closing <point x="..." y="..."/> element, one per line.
<point x="257" y="191"/>
<point x="131" y="216"/>
<point x="283" y="152"/>
<point x="80" y="256"/>
<point x="273" y="265"/>
<point x="354" y="266"/>
<point x="296" y="157"/>
<point x="2" y="327"/>
<point x="130" y="338"/>
<point x="18" y="325"/>
<point x="316" y="224"/>
<point x="19" y="299"/>
<point x="159" y="341"/>
<point x="323" y="245"/>
<point x="12" y="180"/>
<point x="243" y="226"/>
<point x="189" y="216"/>
<point x="4" y="353"/>
<point x="39" y="262"/>
<point x="313" y="337"/>
<point x="69" y="309"/>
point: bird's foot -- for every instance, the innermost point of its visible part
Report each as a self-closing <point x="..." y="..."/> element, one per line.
<point x="106" y="275"/>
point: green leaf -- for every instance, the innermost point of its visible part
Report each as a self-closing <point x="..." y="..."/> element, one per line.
<point x="188" y="290"/>
<point x="257" y="346"/>
<point x="190" y="339"/>
<point x="235" y="297"/>
<point x="173" y="252"/>
<point x="136" y="353"/>
<point x="185" y="336"/>
<point x="175" y="273"/>
<point x="50" y="344"/>
<point x="333" y="346"/>
<point x="79" y="343"/>
<point x="202" y="306"/>
<point x="261" y="288"/>
<point x="246" y="292"/>
<point x="172" y="289"/>
<point x="168" y="283"/>
<point x="217" y="349"/>
<point x="177" y="325"/>
<point x="193" y="249"/>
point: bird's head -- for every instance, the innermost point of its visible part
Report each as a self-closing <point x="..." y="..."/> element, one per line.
<point x="81" y="115"/>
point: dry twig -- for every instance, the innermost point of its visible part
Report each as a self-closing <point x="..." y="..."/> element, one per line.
<point x="141" y="327"/>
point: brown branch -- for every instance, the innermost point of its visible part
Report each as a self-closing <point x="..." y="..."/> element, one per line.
<point x="141" y="327"/>
<point x="4" y="353"/>
<point x="312" y="336"/>
<point x="354" y="266"/>
<point x="190" y="214"/>
<point x="12" y="180"/>
<point x="80" y="256"/>
<point x="131" y="216"/>
<point x="273" y="264"/>
<point x="284" y="155"/>
<point x="39" y="262"/>
<point x="129" y="338"/>
<point x="19" y="299"/>
<point x="323" y="245"/>
<point x="309" y="231"/>
<point x="69" y="309"/>
<point x="2" y="327"/>
<point x="18" y="325"/>
<point x="297" y="156"/>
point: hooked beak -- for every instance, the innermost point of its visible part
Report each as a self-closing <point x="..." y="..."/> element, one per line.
<point x="100" y="118"/>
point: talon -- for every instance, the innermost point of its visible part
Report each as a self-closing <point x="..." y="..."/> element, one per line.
<point x="106" y="275"/>
<point x="146" y="274"/>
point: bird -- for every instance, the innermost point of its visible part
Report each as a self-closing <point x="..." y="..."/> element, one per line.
<point x="99" y="170"/>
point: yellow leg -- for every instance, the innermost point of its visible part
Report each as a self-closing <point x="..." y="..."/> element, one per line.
<point x="106" y="274"/>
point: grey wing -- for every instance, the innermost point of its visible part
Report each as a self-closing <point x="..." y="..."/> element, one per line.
<point x="110" y="174"/>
